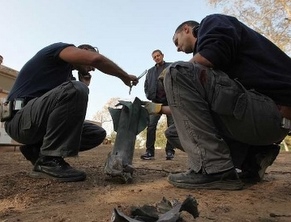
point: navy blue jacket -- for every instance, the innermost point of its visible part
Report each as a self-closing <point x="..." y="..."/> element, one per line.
<point x="246" y="55"/>
<point x="152" y="83"/>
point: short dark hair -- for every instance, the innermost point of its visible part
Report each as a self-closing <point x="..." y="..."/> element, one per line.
<point x="87" y="46"/>
<point x="157" y="50"/>
<point x="191" y="23"/>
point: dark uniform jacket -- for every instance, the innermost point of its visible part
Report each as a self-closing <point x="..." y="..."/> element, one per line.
<point x="245" y="55"/>
<point x="153" y="87"/>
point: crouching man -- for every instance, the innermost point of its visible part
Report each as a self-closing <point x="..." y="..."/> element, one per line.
<point x="48" y="108"/>
<point x="236" y="89"/>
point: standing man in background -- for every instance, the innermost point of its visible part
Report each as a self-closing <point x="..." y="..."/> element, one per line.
<point x="1" y="59"/>
<point x="154" y="91"/>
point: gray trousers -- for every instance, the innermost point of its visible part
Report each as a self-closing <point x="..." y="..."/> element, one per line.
<point x="55" y="122"/>
<point x="208" y="106"/>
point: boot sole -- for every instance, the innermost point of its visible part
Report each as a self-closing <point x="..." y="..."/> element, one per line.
<point x="267" y="161"/>
<point x="215" y="185"/>
<point x="148" y="158"/>
<point x="42" y="175"/>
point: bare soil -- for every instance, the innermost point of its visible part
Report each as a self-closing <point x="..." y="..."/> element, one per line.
<point x="26" y="199"/>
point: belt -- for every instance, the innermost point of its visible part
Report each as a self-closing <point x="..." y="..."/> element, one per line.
<point x="285" y="111"/>
<point x="10" y="108"/>
<point x="18" y="104"/>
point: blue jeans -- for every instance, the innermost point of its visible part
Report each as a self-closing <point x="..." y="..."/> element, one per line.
<point x="208" y="106"/>
<point x="151" y="134"/>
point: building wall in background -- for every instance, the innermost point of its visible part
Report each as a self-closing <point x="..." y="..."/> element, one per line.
<point x="7" y="79"/>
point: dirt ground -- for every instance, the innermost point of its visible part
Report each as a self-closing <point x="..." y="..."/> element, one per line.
<point x="25" y="199"/>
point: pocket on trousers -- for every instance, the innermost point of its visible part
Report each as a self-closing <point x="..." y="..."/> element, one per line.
<point x="229" y="99"/>
<point x="240" y="106"/>
<point x="25" y="119"/>
<point x="224" y="100"/>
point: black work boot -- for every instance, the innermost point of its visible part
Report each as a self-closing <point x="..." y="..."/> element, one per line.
<point x="148" y="156"/>
<point x="266" y="159"/>
<point x="227" y="180"/>
<point x="30" y="152"/>
<point x="258" y="160"/>
<point x="56" y="168"/>
<point x="169" y="155"/>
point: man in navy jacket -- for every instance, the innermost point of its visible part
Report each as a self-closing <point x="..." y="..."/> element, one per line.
<point x="154" y="90"/>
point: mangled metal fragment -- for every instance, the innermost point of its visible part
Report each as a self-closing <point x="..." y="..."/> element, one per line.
<point x="118" y="216"/>
<point x="164" y="211"/>
<point x="128" y="121"/>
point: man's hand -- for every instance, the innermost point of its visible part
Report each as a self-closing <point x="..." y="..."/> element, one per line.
<point x="85" y="78"/>
<point x="130" y="80"/>
<point x="152" y="108"/>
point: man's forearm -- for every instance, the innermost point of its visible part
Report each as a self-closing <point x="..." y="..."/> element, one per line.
<point x="165" y="110"/>
<point x="201" y="60"/>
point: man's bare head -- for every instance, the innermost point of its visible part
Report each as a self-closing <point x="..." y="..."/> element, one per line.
<point x="185" y="37"/>
<point x="88" y="47"/>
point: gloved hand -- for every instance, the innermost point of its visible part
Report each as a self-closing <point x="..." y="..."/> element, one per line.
<point x="152" y="108"/>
